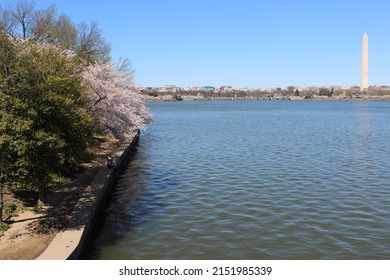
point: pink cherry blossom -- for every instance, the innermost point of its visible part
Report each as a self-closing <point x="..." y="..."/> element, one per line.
<point x="119" y="108"/>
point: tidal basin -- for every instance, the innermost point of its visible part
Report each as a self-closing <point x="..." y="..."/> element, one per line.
<point x="254" y="180"/>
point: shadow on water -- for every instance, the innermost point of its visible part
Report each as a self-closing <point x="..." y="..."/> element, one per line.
<point x="131" y="202"/>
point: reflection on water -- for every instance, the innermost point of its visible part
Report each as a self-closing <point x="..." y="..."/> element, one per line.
<point x="254" y="180"/>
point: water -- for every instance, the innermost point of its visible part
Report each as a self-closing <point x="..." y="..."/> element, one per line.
<point x="254" y="180"/>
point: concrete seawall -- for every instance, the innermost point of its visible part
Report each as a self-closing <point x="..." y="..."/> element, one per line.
<point x="70" y="243"/>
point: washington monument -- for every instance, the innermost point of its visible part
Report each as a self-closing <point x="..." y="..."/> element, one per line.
<point x="364" y="74"/>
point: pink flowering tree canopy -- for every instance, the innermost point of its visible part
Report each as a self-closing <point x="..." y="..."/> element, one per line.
<point x="119" y="108"/>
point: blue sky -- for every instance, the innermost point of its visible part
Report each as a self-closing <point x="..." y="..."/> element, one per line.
<point x="247" y="43"/>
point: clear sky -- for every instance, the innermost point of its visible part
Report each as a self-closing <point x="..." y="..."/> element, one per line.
<point x="247" y="43"/>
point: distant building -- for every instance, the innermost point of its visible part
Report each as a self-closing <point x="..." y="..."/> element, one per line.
<point x="169" y="89"/>
<point x="355" y="88"/>
<point x="290" y="89"/>
<point x="191" y="89"/>
<point x="206" y="89"/>
<point x="269" y="90"/>
<point x="225" y="89"/>
<point x="380" y="88"/>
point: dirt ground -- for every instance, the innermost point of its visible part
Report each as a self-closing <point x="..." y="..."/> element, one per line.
<point x="31" y="231"/>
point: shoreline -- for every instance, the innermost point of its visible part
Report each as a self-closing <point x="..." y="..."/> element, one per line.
<point x="70" y="243"/>
<point x="168" y="98"/>
<point x="63" y="227"/>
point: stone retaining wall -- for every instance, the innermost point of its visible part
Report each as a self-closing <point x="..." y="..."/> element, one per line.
<point x="70" y="243"/>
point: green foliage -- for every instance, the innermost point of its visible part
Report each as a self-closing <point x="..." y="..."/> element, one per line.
<point x="326" y="92"/>
<point x="9" y="207"/>
<point x="45" y="127"/>
<point x="3" y="228"/>
<point x="6" y="54"/>
<point x="309" y="95"/>
<point x="177" y="97"/>
<point x="153" y="93"/>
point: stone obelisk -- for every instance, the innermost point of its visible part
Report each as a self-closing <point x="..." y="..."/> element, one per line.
<point x="364" y="74"/>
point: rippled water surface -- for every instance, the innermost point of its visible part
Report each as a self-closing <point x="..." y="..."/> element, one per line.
<point x="254" y="180"/>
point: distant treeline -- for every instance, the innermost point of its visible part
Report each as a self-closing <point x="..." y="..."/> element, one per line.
<point x="278" y="93"/>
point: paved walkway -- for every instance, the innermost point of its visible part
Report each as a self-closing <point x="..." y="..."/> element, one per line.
<point x="66" y="242"/>
<point x="69" y="243"/>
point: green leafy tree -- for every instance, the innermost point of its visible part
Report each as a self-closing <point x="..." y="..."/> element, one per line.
<point x="45" y="126"/>
<point x="6" y="56"/>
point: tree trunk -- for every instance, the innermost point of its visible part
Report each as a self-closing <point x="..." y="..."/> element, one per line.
<point x="1" y="202"/>
<point x="41" y="196"/>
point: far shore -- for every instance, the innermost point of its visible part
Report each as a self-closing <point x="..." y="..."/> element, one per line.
<point x="172" y="97"/>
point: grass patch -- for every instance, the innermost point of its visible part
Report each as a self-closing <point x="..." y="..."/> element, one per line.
<point x="3" y="228"/>
<point x="9" y="208"/>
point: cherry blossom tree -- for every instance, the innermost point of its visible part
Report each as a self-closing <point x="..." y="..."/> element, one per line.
<point x="119" y="108"/>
